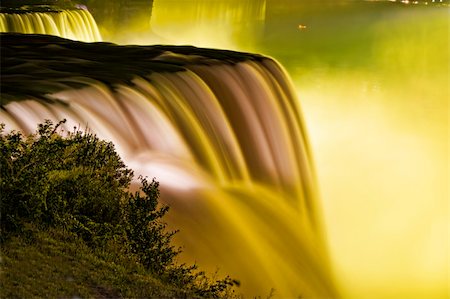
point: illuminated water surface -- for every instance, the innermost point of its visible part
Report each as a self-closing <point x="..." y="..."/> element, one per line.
<point x="373" y="81"/>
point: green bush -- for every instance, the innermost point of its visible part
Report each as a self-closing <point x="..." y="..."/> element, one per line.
<point x="78" y="182"/>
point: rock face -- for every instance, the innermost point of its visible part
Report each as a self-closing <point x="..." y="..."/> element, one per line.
<point x="220" y="130"/>
<point x="36" y="65"/>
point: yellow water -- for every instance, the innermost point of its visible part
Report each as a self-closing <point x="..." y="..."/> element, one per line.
<point x="374" y="86"/>
<point x="226" y="142"/>
<point x="71" y="24"/>
<point x="373" y="83"/>
<point x="380" y="139"/>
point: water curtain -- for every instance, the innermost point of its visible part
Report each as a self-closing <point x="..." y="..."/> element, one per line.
<point x="221" y="131"/>
<point x="76" y="24"/>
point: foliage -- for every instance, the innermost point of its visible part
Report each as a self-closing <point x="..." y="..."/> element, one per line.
<point x="78" y="183"/>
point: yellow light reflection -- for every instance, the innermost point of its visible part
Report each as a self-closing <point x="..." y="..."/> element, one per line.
<point x="384" y="190"/>
<point x="380" y="141"/>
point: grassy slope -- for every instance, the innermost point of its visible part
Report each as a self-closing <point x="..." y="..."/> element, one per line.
<point x="56" y="264"/>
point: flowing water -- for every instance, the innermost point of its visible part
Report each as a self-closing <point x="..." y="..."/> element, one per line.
<point x="72" y="24"/>
<point x="221" y="131"/>
<point x="373" y="80"/>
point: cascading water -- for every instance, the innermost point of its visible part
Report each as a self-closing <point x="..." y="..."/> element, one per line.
<point x="218" y="23"/>
<point x="76" y="24"/>
<point x="220" y="130"/>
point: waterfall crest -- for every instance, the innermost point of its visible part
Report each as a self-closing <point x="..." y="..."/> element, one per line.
<point x="220" y="130"/>
<point x="76" y="24"/>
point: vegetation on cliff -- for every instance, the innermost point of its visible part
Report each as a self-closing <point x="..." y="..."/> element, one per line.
<point x="71" y="227"/>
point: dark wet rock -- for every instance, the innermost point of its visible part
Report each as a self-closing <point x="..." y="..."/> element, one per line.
<point x="33" y="65"/>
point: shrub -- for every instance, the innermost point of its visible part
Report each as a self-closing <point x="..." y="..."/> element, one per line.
<point x="79" y="183"/>
<point x="76" y="181"/>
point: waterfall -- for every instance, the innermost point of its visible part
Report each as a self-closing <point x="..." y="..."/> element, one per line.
<point x="76" y="24"/>
<point x="221" y="130"/>
<point x="218" y="23"/>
